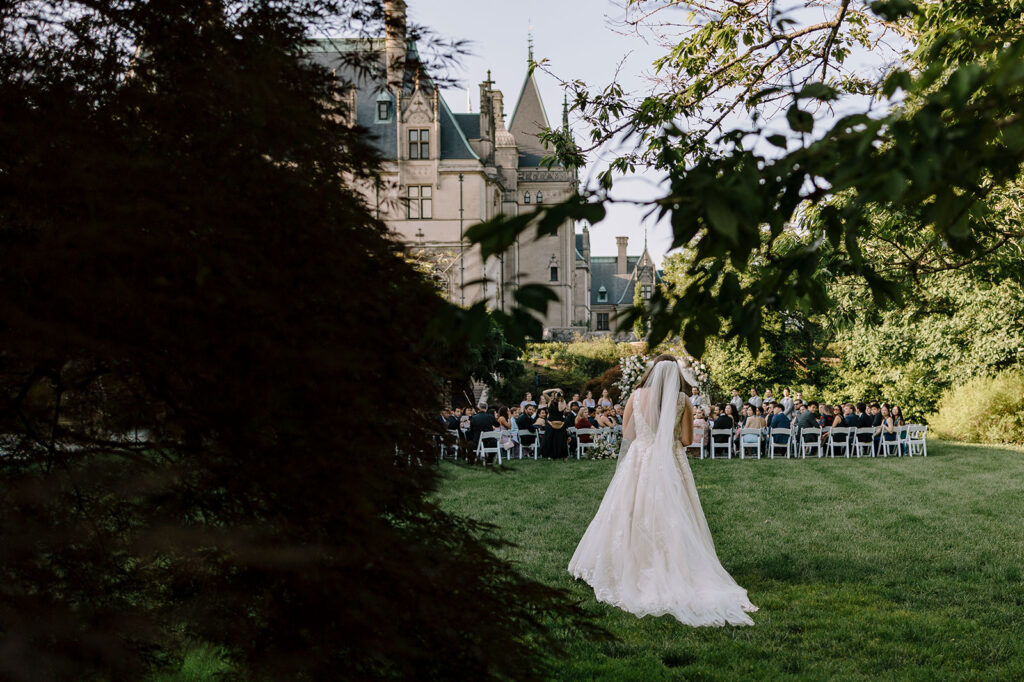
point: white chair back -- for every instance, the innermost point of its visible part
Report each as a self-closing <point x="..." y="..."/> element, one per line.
<point x="755" y="445"/>
<point x="580" y="445"/>
<point x="483" y="448"/>
<point x="810" y="440"/>
<point x="864" y="440"/>
<point x="698" y="441"/>
<point x="786" y="445"/>
<point x="839" y="439"/>
<point x="724" y="444"/>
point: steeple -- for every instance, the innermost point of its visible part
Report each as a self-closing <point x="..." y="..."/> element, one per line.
<point x="529" y="44"/>
<point x="529" y="118"/>
<point x="565" y="112"/>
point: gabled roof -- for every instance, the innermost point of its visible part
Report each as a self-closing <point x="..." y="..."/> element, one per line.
<point x="604" y="273"/>
<point x="528" y="119"/>
<point x="369" y="87"/>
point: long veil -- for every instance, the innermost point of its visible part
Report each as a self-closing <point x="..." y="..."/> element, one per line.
<point x="649" y="550"/>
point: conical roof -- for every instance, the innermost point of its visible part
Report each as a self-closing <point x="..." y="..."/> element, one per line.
<point x="528" y="119"/>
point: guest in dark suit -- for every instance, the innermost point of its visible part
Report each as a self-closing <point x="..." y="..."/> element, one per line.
<point x="723" y="421"/>
<point x="849" y="418"/>
<point x="480" y="422"/>
<point x="527" y="429"/>
<point x="864" y="421"/>
<point x="452" y="422"/>
<point x="779" y="420"/>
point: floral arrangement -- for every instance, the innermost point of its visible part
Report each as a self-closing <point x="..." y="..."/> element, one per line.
<point x="602" y="450"/>
<point x="633" y="367"/>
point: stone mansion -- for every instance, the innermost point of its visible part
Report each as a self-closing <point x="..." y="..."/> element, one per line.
<point x="446" y="171"/>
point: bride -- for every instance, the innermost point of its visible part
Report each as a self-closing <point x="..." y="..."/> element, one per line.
<point x="648" y="550"/>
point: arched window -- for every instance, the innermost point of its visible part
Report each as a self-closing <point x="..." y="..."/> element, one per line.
<point x="526" y="197"/>
<point x="540" y="197"/>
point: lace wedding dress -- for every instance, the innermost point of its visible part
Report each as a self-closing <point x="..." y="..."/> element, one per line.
<point x="648" y="550"/>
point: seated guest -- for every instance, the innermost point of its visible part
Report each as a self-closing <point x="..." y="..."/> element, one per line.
<point x="887" y="429"/>
<point x="452" y="422"/>
<point x="527" y="427"/>
<point x="897" y="416"/>
<point x="826" y="417"/>
<point x="542" y="418"/>
<point x="583" y="422"/>
<point x="849" y="418"/>
<point x="724" y="421"/>
<point x="480" y="422"/>
<point x="753" y="422"/>
<point x="620" y="412"/>
<point x="808" y="419"/>
<point x="863" y="422"/>
<point x="467" y="412"/>
<point x="779" y="420"/>
<point x="604" y="420"/>
<point x="876" y="413"/>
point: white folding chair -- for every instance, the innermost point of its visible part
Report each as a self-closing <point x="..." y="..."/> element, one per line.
<point x="861" y="445"/>
<point x="814" y="444"/>
<point x="773" y="445"/>
<point x="698" y="441"/>
<point x="917" y="439"/>
<point x="839" y="438"/>
<point x="885" y="447"/>
<point x="725" y="444"/>
<point x="581" y="447"/>
<point x="744" y="445"/>
<point x="482" y="449"/>
<point x="454" y="443"/>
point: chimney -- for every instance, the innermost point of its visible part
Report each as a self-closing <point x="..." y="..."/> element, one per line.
<point x="394" y="43"/>
<point x="623" y="266"/>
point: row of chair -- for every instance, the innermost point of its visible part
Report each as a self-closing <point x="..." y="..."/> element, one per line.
<point x="847" y="440"/>
<point x="490" y="443"/>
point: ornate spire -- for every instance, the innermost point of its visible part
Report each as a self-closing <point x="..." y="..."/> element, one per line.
<point x="529" y="43"/>
<point x="565" y="112"/>
<point x="469" y="102"/>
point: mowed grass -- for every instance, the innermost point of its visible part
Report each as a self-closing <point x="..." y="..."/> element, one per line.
<point x="863" y="569"/>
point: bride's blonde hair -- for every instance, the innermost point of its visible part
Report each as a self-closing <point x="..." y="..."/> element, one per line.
<point x="664" y="357"/>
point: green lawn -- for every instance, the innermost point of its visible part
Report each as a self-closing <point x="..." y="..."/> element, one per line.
<point x="863" y="569"/>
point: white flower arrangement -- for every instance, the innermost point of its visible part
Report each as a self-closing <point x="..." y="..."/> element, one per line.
<point x="602" y="450"/>
<point x="634" y="366"/>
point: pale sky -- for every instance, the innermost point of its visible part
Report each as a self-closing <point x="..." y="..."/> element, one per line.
<point x="578" y="42"/>
<point x="580" y="39"/>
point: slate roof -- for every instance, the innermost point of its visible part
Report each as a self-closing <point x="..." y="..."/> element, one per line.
<point x="455" y="128"/>
<point x="603" y="273"/>
<point x="528" y="119"/>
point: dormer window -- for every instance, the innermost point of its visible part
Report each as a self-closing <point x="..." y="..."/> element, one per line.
<point x="419" y="143"/>
<point x="602" y="295"/>
<point x="526" y="197"/>
<point x="540" y="197"/>
<point x="384" y="107"/>
<point x="645" y="291"/>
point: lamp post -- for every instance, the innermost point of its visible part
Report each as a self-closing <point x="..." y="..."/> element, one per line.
<point x="462" y="260"/>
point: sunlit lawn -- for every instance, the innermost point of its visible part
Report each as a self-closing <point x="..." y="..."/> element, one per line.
<point x="863" y="569"/>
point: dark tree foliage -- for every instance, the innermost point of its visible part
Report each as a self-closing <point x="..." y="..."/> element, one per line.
<point x="217" y="374"/>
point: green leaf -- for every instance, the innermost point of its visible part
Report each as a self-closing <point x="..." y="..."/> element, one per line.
<point x="721" y="217"/>
<point x="799" y="120"/>
<point x="820" y="91"/>
<point x="777" y="140"/>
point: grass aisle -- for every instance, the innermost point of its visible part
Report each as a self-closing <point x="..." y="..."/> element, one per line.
<point x="892" y="568"/>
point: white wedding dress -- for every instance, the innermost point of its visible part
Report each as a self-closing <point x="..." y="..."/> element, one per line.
<point x="648" y="550"/>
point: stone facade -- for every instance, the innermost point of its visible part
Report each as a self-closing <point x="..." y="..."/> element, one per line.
<point x="445" y="172"/>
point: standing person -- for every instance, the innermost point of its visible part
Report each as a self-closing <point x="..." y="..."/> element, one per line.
<point x="528" y="400"/>
<point x="554" y="444"/>
<point x="736" y="402"/>
<point x="606" y="400"/>
<point x="769" y="398"/>
<point x="755" y="400"/>
<point x="589" y="400"/>
<point x="695" y="399"/>
<point x="786" y="402"/>
<point x="648" y="550"/>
